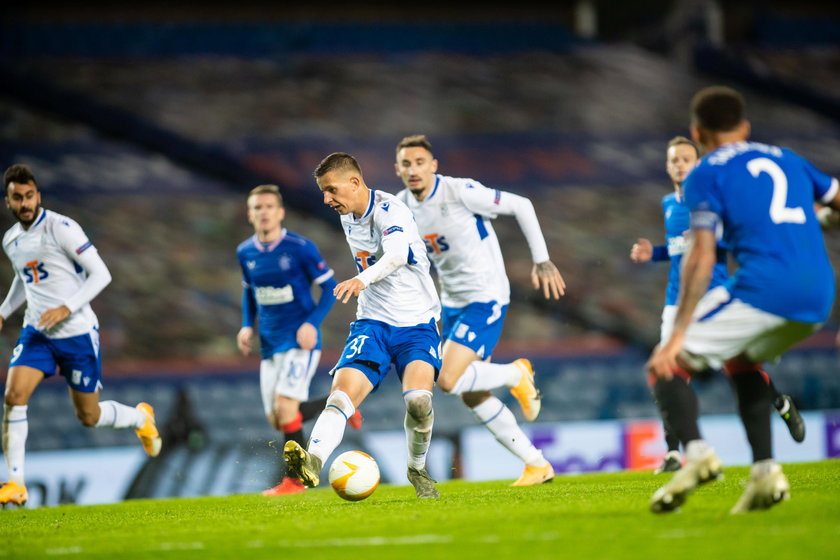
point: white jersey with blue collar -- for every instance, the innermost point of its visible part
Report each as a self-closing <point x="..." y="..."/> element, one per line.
<point x="407" y="296"/>
<point x="46" y="260"/>
<point x="455" y="222"/>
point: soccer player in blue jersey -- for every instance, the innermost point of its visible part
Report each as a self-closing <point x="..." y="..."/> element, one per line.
<point x="278" y="270"/>
<point x="681" y="156"/>
<point x="759" y="199"/>
<point x="58" y="272"/>
<point x="398" y="309"/>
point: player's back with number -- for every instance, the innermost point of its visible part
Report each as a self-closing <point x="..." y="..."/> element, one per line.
<point x="764" y="196"/>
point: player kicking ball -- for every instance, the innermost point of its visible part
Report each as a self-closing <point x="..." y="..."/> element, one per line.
<point x="398" y="309"/>
<point x="58" y="272"/>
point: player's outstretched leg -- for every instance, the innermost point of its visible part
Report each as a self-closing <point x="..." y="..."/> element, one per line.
<point x="526" y="391"/>
<point x="304" y="465"/>
<point x="148" y="432"/>
<point x="786" y="408"/>
<point x="767" y="487"/>
<point x="13" y="493"/>
<point x="702" y="466"/>
<point x="424" y="485"/>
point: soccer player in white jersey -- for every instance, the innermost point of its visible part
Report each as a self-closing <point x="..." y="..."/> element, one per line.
<point x="398" y="310"/>
<point x="759" y="199"/>
<point x="454" y="217"/>
<point x="279" y="267"/>
<point x="57" y="273"/>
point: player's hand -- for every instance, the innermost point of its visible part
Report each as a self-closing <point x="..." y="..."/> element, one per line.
<point x="546" y="276"/>
<point x="51" y="317"/>
<point x="642" y="250"/>
<point x="347" y="289"/>
<point x="244" y="340"/>
<point x="307" y="336"/>
<point x="663" y="360"/>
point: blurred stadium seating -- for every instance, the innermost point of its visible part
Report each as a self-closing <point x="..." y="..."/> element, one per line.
<point x="151" y="135"/>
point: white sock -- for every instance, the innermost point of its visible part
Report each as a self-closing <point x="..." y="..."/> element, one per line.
<point x="501" y="422"/>
<point x="328" y="430"/>
<point x="15" y="430"/>
<point x="115" y="415"/>
<point x="419" y="419"/>
<point x="484" y="376"/>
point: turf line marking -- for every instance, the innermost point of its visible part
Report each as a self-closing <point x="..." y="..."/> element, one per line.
<point x="62" y="551"/>
<point x="373" y="541"/>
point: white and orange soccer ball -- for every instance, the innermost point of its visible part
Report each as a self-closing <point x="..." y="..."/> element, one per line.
<point x="354" y="475"/>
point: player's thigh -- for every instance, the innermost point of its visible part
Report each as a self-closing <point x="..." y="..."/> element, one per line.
<point x="367" y="351"/>
<point x="412" y="344"/>
<point x="418" y="374"/>
<point x="731" y="329"/>
<point x="21" y="383"/>
<point x="353" y="382"/>
<point x="456" y="358"/>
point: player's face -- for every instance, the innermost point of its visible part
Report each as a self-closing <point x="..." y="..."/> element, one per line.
<point x="680" y="160"/>
<point x="24" y="200"/>
<point x="416" y="167"/>
<point x="340" y="189"/>
<point x="265" y="212"/>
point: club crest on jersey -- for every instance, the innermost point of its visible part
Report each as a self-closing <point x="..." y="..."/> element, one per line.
<point x="285" y="262"/>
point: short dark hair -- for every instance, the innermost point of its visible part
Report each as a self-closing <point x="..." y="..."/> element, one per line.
<point x="267" y="189"/>
<point x="717" y="109"/>
<point x="18" y="173"/>
<point x="677" y="140"/>
<point x="415" y="141"/>
<point x="334" y="161"/>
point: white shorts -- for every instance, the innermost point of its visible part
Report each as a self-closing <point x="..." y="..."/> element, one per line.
<point x="669" y="313"/>
<point x="288" y="374"/>
<point x="724" y="328"/>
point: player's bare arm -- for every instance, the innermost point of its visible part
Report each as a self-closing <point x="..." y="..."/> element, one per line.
<point x="642" y="250"/>
<point x="347" y="289"/>
<point x="696" y="273"/>
<point x="546" y="276"/>
<point x="244" y="340"/>
<point x="52" y="317"/>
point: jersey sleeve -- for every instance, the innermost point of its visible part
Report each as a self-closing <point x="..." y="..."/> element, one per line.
<point x="314" y="265"/>
<point x="482" y="200"/>
<point x="703" y="199"/>
<point x="71" y="238"/>
<point x="825" y="186"/>
<point x="392" y="221"/>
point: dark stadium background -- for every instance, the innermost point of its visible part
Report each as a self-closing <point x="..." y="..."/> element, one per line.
<point x="148" y="124"/>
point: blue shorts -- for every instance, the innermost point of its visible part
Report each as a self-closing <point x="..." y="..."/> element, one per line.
<point x="373" y="346"/>
<point x="75" y="357"/>
<point x="478" y="326"/>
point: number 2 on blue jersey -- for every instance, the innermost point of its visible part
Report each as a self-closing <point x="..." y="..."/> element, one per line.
<point x="780" y="213"/>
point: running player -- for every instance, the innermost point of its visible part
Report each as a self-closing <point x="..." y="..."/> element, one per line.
<point x="278" y="269"/>
<point x="761" y="198"/>
<point x="58" y="272"/>
<point x="454" y="217"/>
<point x="680" y="158"/>
<point x="398" y="309"/>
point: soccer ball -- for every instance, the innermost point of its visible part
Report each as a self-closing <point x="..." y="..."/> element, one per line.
<point x="354" y="475"/>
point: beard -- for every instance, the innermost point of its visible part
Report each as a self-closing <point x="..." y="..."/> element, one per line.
<point x="26" y="222"/>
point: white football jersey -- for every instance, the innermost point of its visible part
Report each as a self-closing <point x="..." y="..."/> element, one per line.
<point x="407" y="296"/>
<point x="43" y="258"/>
<point x="454" y="221"/>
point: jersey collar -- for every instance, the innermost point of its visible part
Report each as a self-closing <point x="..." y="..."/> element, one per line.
<point x="369" y="208"/>
<point x="263" y="248"/>
<point x="435" y="188"/>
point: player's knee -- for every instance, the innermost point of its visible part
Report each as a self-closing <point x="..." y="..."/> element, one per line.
<point x="88" y="418"/>
<point x="418" y="404"/>
<point x="15" y="398"/>
<point x="339" y="400"/>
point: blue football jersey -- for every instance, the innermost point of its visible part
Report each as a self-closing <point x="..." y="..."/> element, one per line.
<point x="677" y="224"/>
<point x="763" y="196"/>
<point x="277" y="280"/>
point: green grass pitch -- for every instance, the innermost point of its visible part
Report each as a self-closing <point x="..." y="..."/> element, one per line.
<point x="598" y="516"/>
